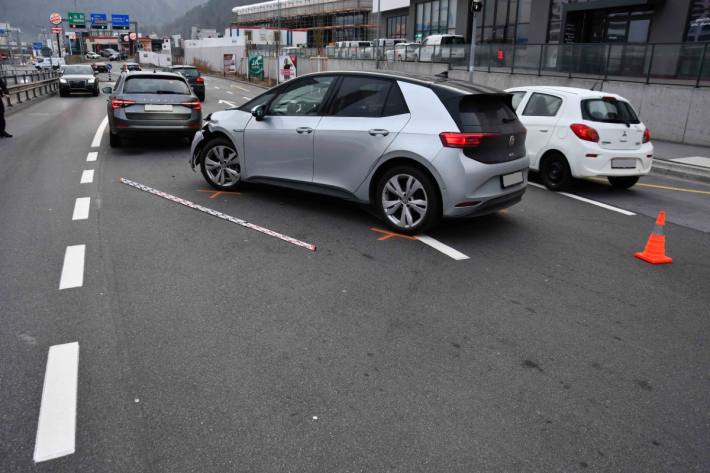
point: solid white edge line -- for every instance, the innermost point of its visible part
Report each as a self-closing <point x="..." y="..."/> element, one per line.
<point x="535" y="184"/>
<point x="81" y="208"/>
<point x="598" y="204"/>
<point x="73" y="267"/>
<point x="56" y="426"/>
<point x="87" y="176"/>
<point x="439" y="246"/>
<point x="92" y="156"/>
<point x="240" y="88"/>
<point x="99" y="133"/>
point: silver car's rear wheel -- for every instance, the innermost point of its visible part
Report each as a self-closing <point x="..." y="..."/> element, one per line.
<point x="221" y="165"/>
<point x="408" y="200"/>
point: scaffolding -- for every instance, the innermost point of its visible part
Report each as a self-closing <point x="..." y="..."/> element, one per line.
<point x="326" y="21"/>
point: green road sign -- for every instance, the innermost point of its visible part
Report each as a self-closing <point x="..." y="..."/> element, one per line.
<point x="77" y="20"/>
<point x="256" y="65"/>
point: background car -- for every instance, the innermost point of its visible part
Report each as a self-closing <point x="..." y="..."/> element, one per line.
<point x="441" y="47"/>
<point x="114" y="57"/>
<point x="582" y="133"/>
<point x="194" y="78"/>
<point x="92" y="55"/>
<point x="415" y="149"/>
<point x="402" y="52"/>
<point x="100" y="67"/>
<point x="131" y="66"/>
<point x="144" y="103"/>
<point x="108" y="52"/>
<point x="78" y="78"/>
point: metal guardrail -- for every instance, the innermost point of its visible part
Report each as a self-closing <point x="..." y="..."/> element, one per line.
<point x="34" y="83"/>
<point x="666" y="64"/>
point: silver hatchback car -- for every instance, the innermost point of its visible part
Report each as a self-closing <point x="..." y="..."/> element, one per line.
<point x="417" y="150"/>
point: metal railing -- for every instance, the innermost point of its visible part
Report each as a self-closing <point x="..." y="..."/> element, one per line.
<point x="675" y="63"/>
<point x="28" y="85"/>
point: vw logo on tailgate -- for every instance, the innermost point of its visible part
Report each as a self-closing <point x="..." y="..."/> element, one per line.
<point x="511" y="141"/>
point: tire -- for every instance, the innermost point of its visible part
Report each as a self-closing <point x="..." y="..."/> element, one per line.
<point x="392" y="192"/>
<point x="220" y="164"/>
<point x="96" y="92"/>
<point x="114" y="140"/>
<point x="62" y="93"/>
<point x="622" y="182"/>
<point x="555" y="172"/>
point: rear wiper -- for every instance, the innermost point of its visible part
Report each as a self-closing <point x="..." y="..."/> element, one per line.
<point x="509" y="120"/>
<point x="165" y="92"/>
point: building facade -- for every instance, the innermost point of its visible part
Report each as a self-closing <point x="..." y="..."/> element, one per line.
<point x="550" y="21"/>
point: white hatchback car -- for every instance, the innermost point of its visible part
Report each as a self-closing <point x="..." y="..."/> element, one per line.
<point x="582" y="133"/>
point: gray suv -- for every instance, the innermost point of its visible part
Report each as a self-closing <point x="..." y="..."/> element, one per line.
<point x="415" y="149"/>
<point x="78" y="78"/>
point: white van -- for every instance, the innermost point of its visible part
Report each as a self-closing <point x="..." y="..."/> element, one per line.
<point x="441" y="48"/>
<point x="354" y="49"/>
<point x="45" y="63"/>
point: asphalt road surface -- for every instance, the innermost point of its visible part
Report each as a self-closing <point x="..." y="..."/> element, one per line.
<point x="205" y="346"/>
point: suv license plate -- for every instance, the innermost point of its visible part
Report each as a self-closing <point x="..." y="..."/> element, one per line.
<point x="512" y="178"/>
<point x="623" y="163"/>
<point x="158" y="108"/>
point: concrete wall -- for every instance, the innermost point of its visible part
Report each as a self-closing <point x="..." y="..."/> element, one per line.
<point x="673" y="113"/>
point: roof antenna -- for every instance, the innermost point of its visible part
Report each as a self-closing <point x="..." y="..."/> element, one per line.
<point x="594" y="85"/>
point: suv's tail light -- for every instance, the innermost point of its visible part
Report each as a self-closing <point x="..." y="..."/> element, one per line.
<point x="452" y="139"/>
<point x="200" y="80"/>
<point x="584" y="132"/>
<point x="121" y="103"/>
<point x="646" y="135"/>
<point x="193" y="104"/>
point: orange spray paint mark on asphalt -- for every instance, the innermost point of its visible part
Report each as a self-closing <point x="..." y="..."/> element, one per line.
<point x="387" y="234"/>
<point x="216" y="194"/>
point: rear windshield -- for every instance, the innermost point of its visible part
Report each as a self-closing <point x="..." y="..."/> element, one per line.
<point x="608" y="111"/>
<point x="188" y="72"/>
<point x="485" y="113"/>
<point x="452" y="40"/>
<point x="155" y="85"/>
<point x="86" y="70"/>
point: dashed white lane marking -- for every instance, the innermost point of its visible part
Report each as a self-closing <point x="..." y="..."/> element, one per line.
<point x="81" y="208"/>
<point x="56" y="427"/>
<point x="216" y="87"/>
<point x="231" y="104"/>
<point x="588" y="201"/>
<point x="240" y="88"/>
<point x="99" y="133"/>
<point x="87" y="176"/>
<point x="221" y="215"/>
<point x="439" y="246"/>
<point x="229" y="92"/>
<point x="73" y="268"/>
<point x="248" y="98"/>
<point x="92" y="156"/>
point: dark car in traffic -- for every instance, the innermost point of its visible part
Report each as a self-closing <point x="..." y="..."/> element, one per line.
<point x="194" y="78"/>
<point x="78" y="78"/>
<point x="100" y="67"/>
<point x="151" y="103"/>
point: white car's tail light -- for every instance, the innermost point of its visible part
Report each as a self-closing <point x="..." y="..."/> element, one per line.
<point x="646" y="135"/>
<point x="584" y="132"/>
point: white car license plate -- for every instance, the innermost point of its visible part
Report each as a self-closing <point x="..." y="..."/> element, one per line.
<point x="512" y="178"/>
<point x="158" y="108"/>
<point x="623" y="163"/>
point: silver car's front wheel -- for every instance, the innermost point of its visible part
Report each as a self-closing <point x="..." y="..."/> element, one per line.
<point x="408" y="200"/>
<point x="221" y="165"/>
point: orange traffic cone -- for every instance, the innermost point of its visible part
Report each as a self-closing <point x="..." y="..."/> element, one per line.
<point x="655" y="251"/>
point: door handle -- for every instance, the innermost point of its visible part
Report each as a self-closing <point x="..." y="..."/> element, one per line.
<point x="379" y="131"/>
<point x="304" y="129"/>
<point x="544" y="131"/>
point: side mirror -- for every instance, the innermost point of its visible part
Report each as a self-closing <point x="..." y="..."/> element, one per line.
<point x="259" y="112"/>
<point x="106" y="90"/>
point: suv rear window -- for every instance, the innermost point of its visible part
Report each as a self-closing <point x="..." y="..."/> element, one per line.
<point x="188" y="72"/>
<point x="608" y="111"/>
<point x="155" y="85"/>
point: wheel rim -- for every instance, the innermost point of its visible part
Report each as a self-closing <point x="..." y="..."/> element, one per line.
<point x="556" y="171"/>
<point x="404" y="201"/>
<point x="222" y="165"/>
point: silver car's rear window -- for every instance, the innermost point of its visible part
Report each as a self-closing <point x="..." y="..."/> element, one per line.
<point x="155" y="85"/>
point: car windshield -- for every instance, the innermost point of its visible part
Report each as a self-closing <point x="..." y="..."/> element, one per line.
<point x="188" y="72"/>
<point x="86" y="70"/>
<point x="608" y="110"/>
<point x="155" y="85"/>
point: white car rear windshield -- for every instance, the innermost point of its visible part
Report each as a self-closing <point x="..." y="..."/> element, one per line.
<point x="608" y="110"/>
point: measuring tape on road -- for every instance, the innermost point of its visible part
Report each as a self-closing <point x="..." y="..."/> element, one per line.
<point x="217" y="214"/>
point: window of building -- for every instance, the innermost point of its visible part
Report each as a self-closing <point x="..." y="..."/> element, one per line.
<point x="504" y="21"/>
<point x="435" y="17"/>
<point x="699" y="21"/>
<point x="397" y="26"/>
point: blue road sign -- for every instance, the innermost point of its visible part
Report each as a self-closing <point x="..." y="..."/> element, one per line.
<point x="120" y="21"/>
<point x="37" y="45"/>
<point x="99" y="21"/>
<point x="109" y="66"/>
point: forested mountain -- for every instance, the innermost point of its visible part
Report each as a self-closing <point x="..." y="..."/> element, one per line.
<point x="213" y="14"/>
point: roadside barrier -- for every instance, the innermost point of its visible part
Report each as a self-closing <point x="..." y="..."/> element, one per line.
<point x="24" y="87"/>
<point x="655" y="250"/>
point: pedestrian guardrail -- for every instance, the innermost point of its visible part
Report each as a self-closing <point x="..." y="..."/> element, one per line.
<point x="26" y="86"/>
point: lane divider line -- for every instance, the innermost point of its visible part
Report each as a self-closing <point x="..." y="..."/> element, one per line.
<point x="217" y="214"/>
<point x="442" y="247"/>
<point x="535" y="184"/>
<point x="56" y="427"/>
<point x="240" y="88"/>
<point x="96" y="142"/>
<point x="81" y="208"/>
<point x="248" y="98"/>
<point x="87" y="176"/>
<point x="229" y="92"/>
<point x="92" y="156"/>
<point x="73" y="267"/>
<point x="584" y="199"/>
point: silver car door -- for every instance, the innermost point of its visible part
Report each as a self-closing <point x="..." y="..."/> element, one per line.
<point x="281" y="145"/>
<point x="365" y="117"/>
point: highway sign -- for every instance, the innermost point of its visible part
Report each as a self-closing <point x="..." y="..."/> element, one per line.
<point x="119" y="21"/>
<point x="99" y="21"/>
<point x="77" y="19"/>
<point x="37" y="45"/>
<point x="55" y="18"/>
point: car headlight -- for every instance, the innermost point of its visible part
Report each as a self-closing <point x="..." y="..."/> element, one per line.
<point x="91" y="80"/>
<point x="62" y="80"/>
